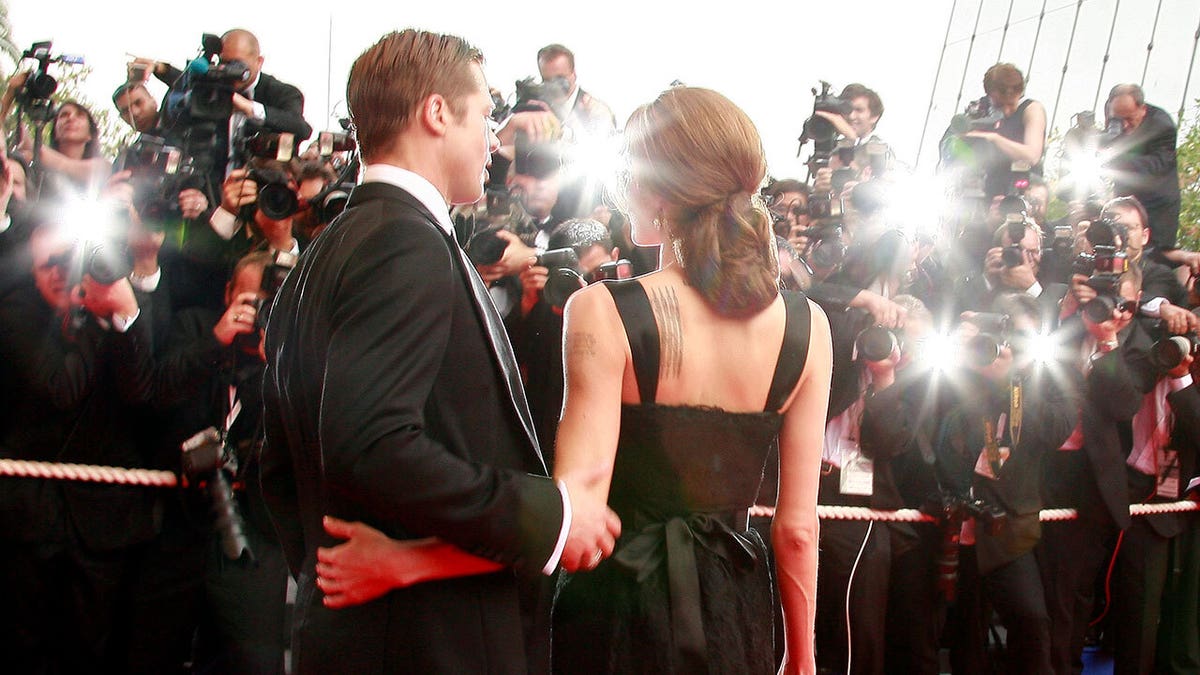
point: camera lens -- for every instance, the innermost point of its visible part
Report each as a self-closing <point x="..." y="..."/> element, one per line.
<point x="876" y="343"/>
<point x="277" y="201"/>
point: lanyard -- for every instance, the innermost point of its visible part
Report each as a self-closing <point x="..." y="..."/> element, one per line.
<point x="993" y="431"/>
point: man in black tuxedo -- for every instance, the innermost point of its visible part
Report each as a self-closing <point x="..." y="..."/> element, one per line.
<point x="392" y="396"/>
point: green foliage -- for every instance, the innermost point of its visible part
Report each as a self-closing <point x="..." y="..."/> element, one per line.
<point x="1188" y="155"/>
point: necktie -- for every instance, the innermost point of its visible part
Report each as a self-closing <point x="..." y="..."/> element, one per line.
<point x="498" y="338"/>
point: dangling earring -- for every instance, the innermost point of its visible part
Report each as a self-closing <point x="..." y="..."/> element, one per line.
<point x="678" y="248"/>
<point x="657" y="224"/>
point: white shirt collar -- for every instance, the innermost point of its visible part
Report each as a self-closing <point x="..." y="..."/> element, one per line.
<point x="416" y="185"/>
<point x="248" y="92"/>
<point x="569" y="104"/>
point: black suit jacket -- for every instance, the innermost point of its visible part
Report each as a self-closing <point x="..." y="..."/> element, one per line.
<point x="1145" y="167"/>
<point x="385" y="403"/>
<point x="73" y="400"/>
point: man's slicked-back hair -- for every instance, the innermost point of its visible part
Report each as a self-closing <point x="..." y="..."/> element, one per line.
<point x="392" y="79"/>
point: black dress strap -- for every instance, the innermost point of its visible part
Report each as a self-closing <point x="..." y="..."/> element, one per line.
<point x="793" y="353"/>
<point x="633" y="306"/>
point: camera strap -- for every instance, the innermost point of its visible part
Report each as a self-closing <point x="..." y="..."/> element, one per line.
<point x="991" y="447"/>
<point x="1016" y="402"/>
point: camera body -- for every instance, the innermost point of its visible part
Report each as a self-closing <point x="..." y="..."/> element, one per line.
<point x="826" y="248"/>
<point x="821" y="131"/>
<point x="159" y="173"/>
<point x="208" y="458"/>
<point x="550" y="92"/>
<point x="34" y="95"/>
<point x="204" y="92"/>
<point x="1170" y="351"/>
<point x="566" y="277"/>
<point x="979" y="115"/>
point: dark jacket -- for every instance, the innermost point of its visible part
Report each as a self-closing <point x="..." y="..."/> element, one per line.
<point x="386" y="403"/>
<point x="1144" y="166"/>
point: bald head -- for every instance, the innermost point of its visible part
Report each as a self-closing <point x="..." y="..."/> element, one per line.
<point x="240" y="44"/>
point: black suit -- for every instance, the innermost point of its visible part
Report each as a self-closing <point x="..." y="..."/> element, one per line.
<point x="386" y="402"/>
<point x="1145" y="167"/>
<point x="64" y="544"/>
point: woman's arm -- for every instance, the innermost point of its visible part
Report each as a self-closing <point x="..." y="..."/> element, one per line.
<point x="794" y="532"/>
<point x="1032" y="146"/>
<point x="84" y="170"/>
<point x="369" y="564"/>
<point x="595" y="354"/>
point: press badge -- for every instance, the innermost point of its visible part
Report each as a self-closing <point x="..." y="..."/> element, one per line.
<point x="858" y="472"/>
<point x="984" y="468"/>
<point x="1168" y="476"/>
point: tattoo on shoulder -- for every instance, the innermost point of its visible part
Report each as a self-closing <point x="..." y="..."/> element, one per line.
<point x="580" y="344"/>
<point x="666" y="312"/>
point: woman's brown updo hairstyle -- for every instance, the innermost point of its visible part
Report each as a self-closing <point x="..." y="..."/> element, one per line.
<point x="703" y="156"/>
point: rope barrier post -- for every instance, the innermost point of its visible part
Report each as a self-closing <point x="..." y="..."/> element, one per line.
<point x="1066" y="63"/>
<point x="936" y="76"/>
<point x="1107" y="51"/>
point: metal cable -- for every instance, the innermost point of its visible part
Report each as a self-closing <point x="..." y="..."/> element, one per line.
<point x="1150" y="45"/>
<point x="1188" y="81"/>
<point x="1004" y="35"/>
<point x="1107" y="50"/>
<point x="1066" y="63"/>
<point x="937" y="76"/>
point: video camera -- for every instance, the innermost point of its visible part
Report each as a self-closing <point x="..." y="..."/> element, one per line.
<point x="207" y="457"/>
<point x="979" y="115"/>
<point x="821" y="131"/>
<point x="204" y="92"/>
<point x="34" y="95"/>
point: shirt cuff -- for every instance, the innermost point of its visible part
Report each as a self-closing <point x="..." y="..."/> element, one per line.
<point x="224" y="223"/>
<point x="146" y="284"/>
<point x="260" y="111"/>
<point x="552" y="563"/>
<point x="1035" y="290"/>
<point x="122" y="323"/>
<point x="1179" y="383"/>
<point x="1153" y="308"/>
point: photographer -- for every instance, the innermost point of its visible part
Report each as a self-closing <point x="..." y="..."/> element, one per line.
<point x="990" y="449"/>
<point x="1013" y="265"/>
<point x="865" y="109"/>
<point x="211" y="376"/>
<point x="579" y="111"/>
<point x="874" y="411"/>
<point x="1106" y="351"/>
<point x="538" y="340"/>
<point x="1163" y="296"/>
<point x="274" y="105"/>
<point x="1142" y="160"/>
<point x="1159" y="464"/>
<point x="71" y="163"/>
<point x="137" y="107"/>
<point x="1019" y="134"/>
<point x="79" y="354"/>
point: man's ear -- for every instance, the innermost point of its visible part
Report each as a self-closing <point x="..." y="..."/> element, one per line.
<point x="435" y="114"/>
<point x="616" y="253"/>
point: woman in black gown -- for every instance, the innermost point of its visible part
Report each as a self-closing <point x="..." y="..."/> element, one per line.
<point x="681" y="381"/>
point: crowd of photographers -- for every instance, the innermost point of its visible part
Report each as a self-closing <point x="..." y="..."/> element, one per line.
<point x="989" y="362"/>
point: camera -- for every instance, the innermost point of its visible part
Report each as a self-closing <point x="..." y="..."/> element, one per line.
<point x="980" y="115"/>
<point x="204" y="92"/>
<point x="826" y="247"/>
<point x="1104" y="260"/>
<point x="159" y="172"/>
<point x="566" y="277"/>
<point x="951" y="510"/>
<point x="1012" y="255"/>
<point x="821" y="131"/>
<point x="34" y="96"/>
<point x="1170" y="351"/>
<point x="276" y="195"/>
<point x="486" y="247"/>
<point x="550" y="92"/>
<point x="1107" y="285"/>
<point x="272" y="279"/>
<point x="207" y="457"/>
<point x="995" y="331"/>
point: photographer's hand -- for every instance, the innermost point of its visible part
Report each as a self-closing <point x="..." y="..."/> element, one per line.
<point x="104" y="302"/>
<point x="513" y="262"/>
<point x="118" y="188"/>
<point x="993" y="265"/>
<point x="823" y="182"/>
<point x="15" y="83"/>
<point x="1020" y="278"/>
<point x="192" y="203"/>
<point x="1080" y="290"/>
<point x="1177" y="319"/>
<point x="840" y="123"/>
<point x="243" y="105"/>
<point x="533" y="280"/>
<point x="1184" y="367"/>
<point x="238" y="319"/>
<point x="238" y="190"/>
